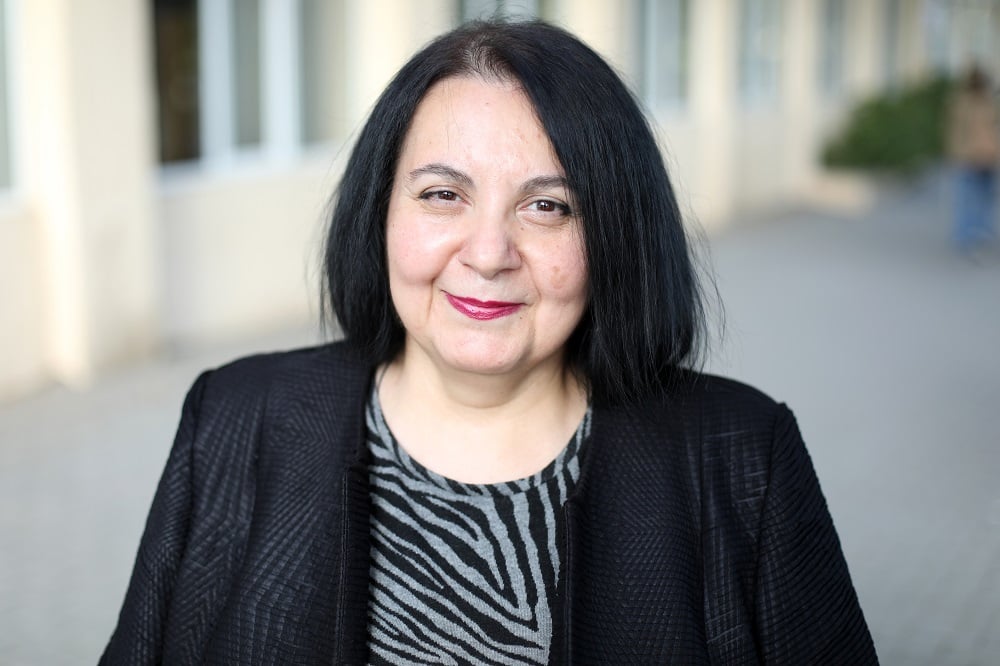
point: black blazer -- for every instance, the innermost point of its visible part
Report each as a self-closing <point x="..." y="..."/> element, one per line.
<point x="697" y="533"/>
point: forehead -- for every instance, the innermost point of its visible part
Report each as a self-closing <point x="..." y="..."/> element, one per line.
<point x="471" y="89"/>
<point x="460" y="114"/>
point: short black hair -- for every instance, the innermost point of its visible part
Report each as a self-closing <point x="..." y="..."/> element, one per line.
<point x="644" y="318"/>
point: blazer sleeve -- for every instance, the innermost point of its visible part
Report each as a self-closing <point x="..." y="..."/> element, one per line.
<point x="138" y="638"/>
<point x="806" y="607"/>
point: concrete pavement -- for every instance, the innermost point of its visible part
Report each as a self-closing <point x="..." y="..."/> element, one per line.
<point x="883" y="341"/>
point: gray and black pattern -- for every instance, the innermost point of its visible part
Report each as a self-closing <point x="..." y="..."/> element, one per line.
<point x="462" y="573"/>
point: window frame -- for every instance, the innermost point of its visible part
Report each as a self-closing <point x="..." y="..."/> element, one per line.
<point x="469" y="10"/>
<point x="651" y="13"/>
<point x="832" y="64"/>
<point x="892" y="17"/>
<point x="758" y="92"/>
<point x="9" y="115"/>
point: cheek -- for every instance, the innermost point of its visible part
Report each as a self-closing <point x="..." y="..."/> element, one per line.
<point x="399" y="255"/>
<point x="416" y="256"/>
<point x="402" y="247"/>
<point x="567" y="275"/>
<point x="558" y="277"/>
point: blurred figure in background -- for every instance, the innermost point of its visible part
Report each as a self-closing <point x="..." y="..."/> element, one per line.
<point x="974" y="147"/>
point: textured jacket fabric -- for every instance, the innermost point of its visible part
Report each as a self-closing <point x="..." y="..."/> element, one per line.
<point x="697" y="533"/>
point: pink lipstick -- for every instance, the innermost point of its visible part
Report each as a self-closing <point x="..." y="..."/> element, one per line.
<point x="482" y="310"/>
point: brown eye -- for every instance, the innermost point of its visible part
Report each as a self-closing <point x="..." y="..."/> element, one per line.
<point x="446" y="196"/>
<point x="549" y="207"/>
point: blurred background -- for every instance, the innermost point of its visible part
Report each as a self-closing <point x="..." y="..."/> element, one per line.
<point x="164" y="170"/>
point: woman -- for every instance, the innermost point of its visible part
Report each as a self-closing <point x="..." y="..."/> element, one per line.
<point x="504" y="462"/>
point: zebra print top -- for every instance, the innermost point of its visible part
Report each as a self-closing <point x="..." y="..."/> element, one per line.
<point x="462" y="573"/>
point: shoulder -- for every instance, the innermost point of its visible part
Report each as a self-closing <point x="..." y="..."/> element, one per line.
<point x="334" y="367"/>
<point x="733" y="429"/>
<point x="700" y="405"/>
<point x="334" y="362"/>
<point x="699" y="416"/>
<point x="259" y="412"/>
<point x="725" y="404"/>
<point x="736" y="432"/>
<point x="234" y="402"/>
<point x="700" y="386"/>
<point x="723" y="435"/>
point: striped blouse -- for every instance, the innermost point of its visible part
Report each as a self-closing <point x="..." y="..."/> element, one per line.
<point x="462" y="573"/>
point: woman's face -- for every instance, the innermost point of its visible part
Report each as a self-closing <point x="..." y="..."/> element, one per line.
<point x="485" y="253"/>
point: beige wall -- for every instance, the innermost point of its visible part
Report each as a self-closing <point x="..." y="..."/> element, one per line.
<point x="241" y="250"/>
<point x="21" y="354"/>
<point x="84" y="182"/>
<point x="699" y="138"/>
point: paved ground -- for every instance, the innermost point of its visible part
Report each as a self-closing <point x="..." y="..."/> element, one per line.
<point x="885" y="343"/>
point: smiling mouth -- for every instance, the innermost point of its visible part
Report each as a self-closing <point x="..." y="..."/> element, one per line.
<point x="482" y="310"/>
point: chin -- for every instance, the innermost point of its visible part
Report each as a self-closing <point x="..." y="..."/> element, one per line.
<point x="482" y="365"/>
<point x="483" y="359"/>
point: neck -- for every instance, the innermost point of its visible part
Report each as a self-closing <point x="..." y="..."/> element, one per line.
<point x="481" y="428"/>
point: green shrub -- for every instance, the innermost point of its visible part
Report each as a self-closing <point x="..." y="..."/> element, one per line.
<point x="900" y="131"/>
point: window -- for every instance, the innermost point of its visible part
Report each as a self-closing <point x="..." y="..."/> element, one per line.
<point x="244" y="77"/>
<point x="937" y="27"/>
<point x="890" y="60"/>
<point x="484" y="9"/>
<point x="832" y="33"/>
<point x="760" y="52"/>
<point x="175" y="28"/>
<point x="319" y="55"/>
<point x="246" y="57"/>
<point x="665" y="33"/>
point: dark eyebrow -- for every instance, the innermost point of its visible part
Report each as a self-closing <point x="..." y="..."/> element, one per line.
<point x="463" y="179"/>
<point x="443" y="170"/>
<point x="546" y="182"/>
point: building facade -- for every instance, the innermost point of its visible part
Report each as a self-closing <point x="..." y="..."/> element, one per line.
<point x="165" y="165"/>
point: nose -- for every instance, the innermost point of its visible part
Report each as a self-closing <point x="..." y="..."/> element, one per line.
<point x="490" y="245"/>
